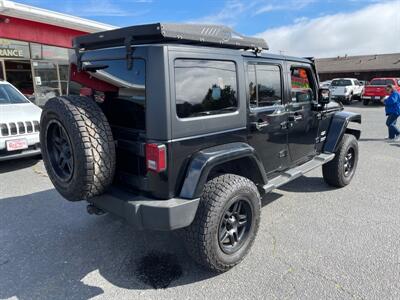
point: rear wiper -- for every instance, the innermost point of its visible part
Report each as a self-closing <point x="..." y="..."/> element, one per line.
<point x="94" y="67"/>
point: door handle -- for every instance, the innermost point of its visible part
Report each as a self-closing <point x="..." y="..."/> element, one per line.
<point x="260" y="125"/>
<point x="295" y="118"/>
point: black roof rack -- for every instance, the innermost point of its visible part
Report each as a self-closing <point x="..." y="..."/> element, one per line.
<point x="192" y="34"/>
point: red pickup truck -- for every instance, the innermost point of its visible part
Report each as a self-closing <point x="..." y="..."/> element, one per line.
<point x="375" y="91"/>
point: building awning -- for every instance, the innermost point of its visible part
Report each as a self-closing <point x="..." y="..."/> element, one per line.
<point x="26" y="12"/>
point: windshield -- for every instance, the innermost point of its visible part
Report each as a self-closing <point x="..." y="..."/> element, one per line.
<point x="10" y="95"/>
<point x="381" y="82"/>
<point x="341" y="82"/>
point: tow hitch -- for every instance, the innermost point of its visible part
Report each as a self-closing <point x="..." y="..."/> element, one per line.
<point x="94" y="210"/>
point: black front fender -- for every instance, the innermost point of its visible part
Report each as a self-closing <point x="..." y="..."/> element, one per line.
<point x="205" y="160"/>
<point x="338" y="128"/>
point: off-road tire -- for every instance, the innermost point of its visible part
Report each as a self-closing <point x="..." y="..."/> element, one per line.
<point x="333" y="171"/>
<point x="93" y="148"/>
<point x="365" y="102"/>
<point x="201" y="237"/>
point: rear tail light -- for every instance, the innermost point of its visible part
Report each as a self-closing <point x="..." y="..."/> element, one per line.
<point x="156" y="157"/>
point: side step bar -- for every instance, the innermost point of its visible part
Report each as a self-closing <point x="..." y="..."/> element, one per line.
<point x="298" y="171"/>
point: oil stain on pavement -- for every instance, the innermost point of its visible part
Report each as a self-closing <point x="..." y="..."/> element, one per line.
<point x="158" y="269"/>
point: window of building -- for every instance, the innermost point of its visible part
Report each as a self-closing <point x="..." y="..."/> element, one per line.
<point x="205" y="87"/>
<point x="302" y="83"/>
<point x="1" y="71"/>
<point x="39" y="51"/>
<point x="265" y="85"/>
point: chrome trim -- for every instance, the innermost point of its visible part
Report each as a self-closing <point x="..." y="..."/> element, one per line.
<point x="33" y="124"/>
<point x="206" y="134"/>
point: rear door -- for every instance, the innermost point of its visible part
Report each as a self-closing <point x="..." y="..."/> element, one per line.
<point x="302" y="120"/>
<point x="267" y="113"/>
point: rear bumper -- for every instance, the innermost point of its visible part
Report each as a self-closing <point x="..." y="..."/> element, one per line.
<point x="373" y="98"/>
<point x="147" y="213"/>
<point x="340" y="97"/>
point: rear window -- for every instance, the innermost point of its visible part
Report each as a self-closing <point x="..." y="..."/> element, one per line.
<point x="9" y="95"/>
<point x="205" y="87"/>
<point x="381" y="82"/>
<point x="341" y="82"/>
<point x="120" y="92"/>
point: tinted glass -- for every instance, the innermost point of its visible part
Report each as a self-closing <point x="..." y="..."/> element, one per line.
<point x="341" y="82"/>
<point x="302" y="85"/>
<point x="120" y="91"/>
<point x="253" y="91"/>
<point x="381" y="82"/>
<point x="205" y="87"/>
<point x="269" y="85"/>
<point x="9" y="95"/>
<point x="264" y="85"/>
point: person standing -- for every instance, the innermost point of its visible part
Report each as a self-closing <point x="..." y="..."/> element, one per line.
<point x="392" y="109"/>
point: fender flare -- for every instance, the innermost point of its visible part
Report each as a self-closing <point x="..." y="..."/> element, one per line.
<point x="205" y="160"/>
<point x="338" y="128"/>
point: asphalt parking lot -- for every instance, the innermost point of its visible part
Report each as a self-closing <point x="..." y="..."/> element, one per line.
<point x="314" y="242"/>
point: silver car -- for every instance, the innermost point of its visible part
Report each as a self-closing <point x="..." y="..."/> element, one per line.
<point x="19" y="124"/>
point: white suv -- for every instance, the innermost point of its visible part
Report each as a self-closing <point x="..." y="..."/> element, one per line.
<point x="19" y="124"/>
<point x="346" y="89"/>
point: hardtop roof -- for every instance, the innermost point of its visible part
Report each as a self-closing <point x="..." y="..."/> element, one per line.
<point x="221" y="51"/>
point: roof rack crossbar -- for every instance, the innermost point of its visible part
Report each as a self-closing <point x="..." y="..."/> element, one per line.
<point x="191" y="34"/>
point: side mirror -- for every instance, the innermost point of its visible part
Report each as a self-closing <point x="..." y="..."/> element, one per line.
<point x="324" y="96"/>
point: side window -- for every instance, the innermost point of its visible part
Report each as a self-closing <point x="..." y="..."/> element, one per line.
<point x="303" y="89"/>
<point x="205" y="87"/>
<point x="265" y="86"/>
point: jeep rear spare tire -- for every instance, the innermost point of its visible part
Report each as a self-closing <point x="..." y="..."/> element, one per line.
<point x="77" y="147"/>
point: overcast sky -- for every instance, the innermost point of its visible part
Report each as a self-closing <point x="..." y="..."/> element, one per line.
<point x="319" y="28"/>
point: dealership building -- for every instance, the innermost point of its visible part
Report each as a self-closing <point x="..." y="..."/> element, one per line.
<point x="35" y="45"/>
<point x="363" y="67"/>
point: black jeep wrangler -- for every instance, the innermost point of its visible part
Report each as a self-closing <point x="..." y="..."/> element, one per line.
<point x="186" y="127"/>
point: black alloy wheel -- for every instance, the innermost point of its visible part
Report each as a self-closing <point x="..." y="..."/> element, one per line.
<point x="340" y="171"/>
<point x="235" y="226"/>
<point x="60" y="151"/>
<point x="226" y="222"/>
<point x="349" y="162"/>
